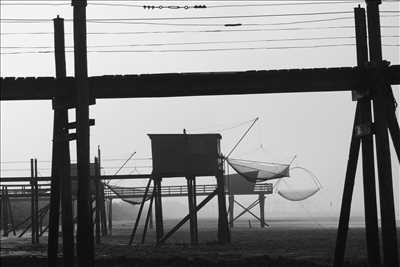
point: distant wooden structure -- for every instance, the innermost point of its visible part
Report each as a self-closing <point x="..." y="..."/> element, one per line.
<point x="236" y="184"/>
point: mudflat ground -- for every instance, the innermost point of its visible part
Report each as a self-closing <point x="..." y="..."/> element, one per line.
<point x="285" y="243"/>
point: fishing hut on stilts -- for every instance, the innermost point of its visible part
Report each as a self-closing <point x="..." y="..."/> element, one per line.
<point x="190" y="156"/>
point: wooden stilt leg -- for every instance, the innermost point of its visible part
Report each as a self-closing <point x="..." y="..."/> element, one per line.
<point x="151" y="223"/>
<point x="380" y="98"/>
<point x="191" y="210"/>
<point x="389" y="237"/>
<point x="231" y="210"/>
<point x="53" y="216"/>
<point x="146" y="224"/>
<point x="223" y="226"/>
<point x="158" y="209"/>
<point x="98" y="200"/>
<point x="33" y="217"/>
<point x="1" y="209"/>
<point x="36" y="204"/>
<point x="67" y="223"/>
<point x="110" y="216"/>
<point x="5" y="212"/>
<point x="370" y="207"/>
<point x="261" y="201"/>
<point x="347" y="196"/>
<point x="103" y="211"/>
<point x="196" y="227"/>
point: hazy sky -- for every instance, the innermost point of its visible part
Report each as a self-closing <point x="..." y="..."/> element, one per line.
<point x="314" y="126"/>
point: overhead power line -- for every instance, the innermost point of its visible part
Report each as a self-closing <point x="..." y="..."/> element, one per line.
<point x="203" y="31"/>
<point x="202" y="43"/>
<point x="237" y="24"/>
<point x="227" y="24"/>
<point x="35" y="20"/>
<point x="194" y="50"/>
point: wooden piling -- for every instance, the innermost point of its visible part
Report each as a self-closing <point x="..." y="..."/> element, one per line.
<point x="370" y="206"/>
<point x="261" y="200"/>
<point x="61" y="181"/>
<point x="98" y="199"/>
<point x="36" y="199"/>
<point x="231" y="206"/>
<point x="85" y="246"/>
<point x="110" y="216"/>
<point x="347" y="195"/>
<point x="103" y="216"/>
<point x="151" y="223"/>
<point x="389" y="235"/>
<point x="196" y="226"/>
<point x="223" y="226"/>
<point x="5" y="212"/>
<point x="158" y="209"/>
<point x="192" y="210"/>
<point x="1" y="208"/>
<point x="148" y="217"/>
<point x="33" y="210"/>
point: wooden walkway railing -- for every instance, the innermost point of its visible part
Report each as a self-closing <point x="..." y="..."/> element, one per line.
<point x="24" y="191"/>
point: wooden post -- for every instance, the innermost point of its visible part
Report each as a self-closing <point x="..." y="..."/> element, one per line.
<point x="61" y="181"/>
<point x="1" y="209"/>
<point x="85" y="246"/>
<point x="151" y="224"/>
<point x="261" y="200"/>
<point x="347" y="195"/>
<point x="103" y="216"/>
<point x="370" y="207"/>
<point x="231" y="206"/>
<point x="192" y="207"/>
<point x="98" y="199"/>
<point x="146" y="224"/>
<point x="5" y="212"/>
<point x="66" y="197"/>
<point x="52" y="248"/>
<point x="110" y="216"/>
<point x="36" y="204"/>
<point x="196" y="227"/>
<point x="223" y="226"/>
<point x="41" y="218"/>
<point x="158" y="209"/>
<point x="33" y="211"/>
<point x="389" y="235"/>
